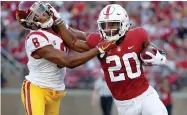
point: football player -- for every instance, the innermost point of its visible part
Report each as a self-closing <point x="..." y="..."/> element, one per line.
<point x="123" y="65"/>
<point x="48" y="58"/>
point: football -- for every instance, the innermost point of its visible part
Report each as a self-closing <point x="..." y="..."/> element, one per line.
<point x="150" y="49"/>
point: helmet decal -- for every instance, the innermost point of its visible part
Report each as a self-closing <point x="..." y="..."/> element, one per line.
<point x="113" y="22"/>
<point x="108" y="12"/>
<point x="29" y="13"/>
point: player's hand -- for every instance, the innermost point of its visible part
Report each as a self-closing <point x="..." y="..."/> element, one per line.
<point x="106" y="45"/>
<point x="158" y="59"/>
<point x="56" y="15"/>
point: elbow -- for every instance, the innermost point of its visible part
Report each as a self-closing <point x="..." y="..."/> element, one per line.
<point x="71" y="64"/>
<point x="72" y="67"/>
<point x="67" y="62"/>
<point x="72" y="61"/>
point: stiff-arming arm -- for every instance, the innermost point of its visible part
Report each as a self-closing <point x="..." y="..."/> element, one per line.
<point x="72" y="38"/>
<point x="63" y="59"/>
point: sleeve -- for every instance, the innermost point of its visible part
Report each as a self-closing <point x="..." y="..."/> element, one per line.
<point x="93" y="39"/>
<point x="36" y="41"/>
<point x="144" y="34"/>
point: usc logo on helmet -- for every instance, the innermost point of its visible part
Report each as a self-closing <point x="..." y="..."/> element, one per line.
<point x="18" y="18"/>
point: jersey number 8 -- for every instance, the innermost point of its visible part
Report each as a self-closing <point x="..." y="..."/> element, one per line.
<point x="35" y="42"/>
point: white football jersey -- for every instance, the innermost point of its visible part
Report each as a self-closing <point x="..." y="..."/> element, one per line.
<point x="42" y="72"/>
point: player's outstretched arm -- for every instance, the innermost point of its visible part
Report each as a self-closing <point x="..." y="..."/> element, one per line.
<point x="63" y="59"/>
<point x="79" y="34"/>
<point x="69" y="35"/>
<point x="71" y="38"/>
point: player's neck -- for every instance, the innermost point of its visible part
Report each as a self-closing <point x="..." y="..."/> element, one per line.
<point x="51" y="30"/>
<point x="120" y="40"/>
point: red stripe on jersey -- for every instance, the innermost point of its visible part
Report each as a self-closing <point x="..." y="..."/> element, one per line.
<point x="37" y="33"/>
<point x="51" y="31"/>
<point x="107" y="12"/>
<point x="24" y="93"/>
<point x="28" y="98"/>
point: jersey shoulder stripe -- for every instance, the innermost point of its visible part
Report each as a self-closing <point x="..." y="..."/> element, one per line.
<point x="37" y="33"/>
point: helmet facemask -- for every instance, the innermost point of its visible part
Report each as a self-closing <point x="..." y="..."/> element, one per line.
<point x="110" y="29"/>
<point x="39" y="12"/>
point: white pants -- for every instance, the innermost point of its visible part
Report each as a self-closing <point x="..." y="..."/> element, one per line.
<point x="147" y="103"/>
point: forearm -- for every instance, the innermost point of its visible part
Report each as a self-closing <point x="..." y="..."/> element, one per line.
<point x="159" y="49"/>
<point x="68" y="36"/>
<point x="71" y="39"/>
<point x="67" y="33"/>
<point x="77" y="60"/>
<point x="148" y="43"/>
<point x="79" y="34"/>
<point x="81" y="46"/>
<point x="100" y="48"/>
<point x="65" y="60"/>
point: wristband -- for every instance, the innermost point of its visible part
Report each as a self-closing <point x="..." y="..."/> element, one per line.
<point x="100" y="50"/>
<point x="59" y="21"/>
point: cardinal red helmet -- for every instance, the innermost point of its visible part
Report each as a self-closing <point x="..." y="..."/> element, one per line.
<point x="27" y="11"/>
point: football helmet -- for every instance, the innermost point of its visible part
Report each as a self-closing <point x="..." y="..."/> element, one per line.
<point x="113" y="22"/>
<point x="31" y="13"/>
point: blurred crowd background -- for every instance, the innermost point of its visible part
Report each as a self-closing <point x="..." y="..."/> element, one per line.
<point x="166" y="23"/>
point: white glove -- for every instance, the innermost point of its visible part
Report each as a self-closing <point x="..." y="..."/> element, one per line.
<point x="53" y="10"/>
<point x="158" y="59"/>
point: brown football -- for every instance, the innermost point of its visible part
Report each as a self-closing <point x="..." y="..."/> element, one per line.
<point x="150" y="49"/>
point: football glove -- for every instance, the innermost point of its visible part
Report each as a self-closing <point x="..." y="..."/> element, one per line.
<point x="105" y="46"/>
<point x="158" y="59"/>
<point x="56" y="15"/>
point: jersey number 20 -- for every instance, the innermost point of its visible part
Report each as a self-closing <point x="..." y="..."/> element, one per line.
<point x="126" y="62"/>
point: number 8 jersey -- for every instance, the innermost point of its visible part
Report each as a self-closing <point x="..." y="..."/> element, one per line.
<point x="41" y="71"/>
<point x="122" y="65"/>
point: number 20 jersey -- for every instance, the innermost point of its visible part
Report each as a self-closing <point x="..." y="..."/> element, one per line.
<point x="122" y="65"/>
<point x="41" y="71"/>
